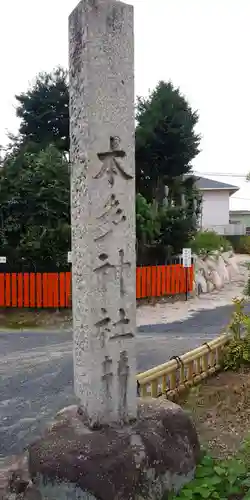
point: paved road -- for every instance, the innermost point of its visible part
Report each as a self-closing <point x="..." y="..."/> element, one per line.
<point x="36" y="370"/>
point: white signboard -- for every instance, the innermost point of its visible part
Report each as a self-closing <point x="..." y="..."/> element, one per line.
<point x="186" y="257"/>
<point x="2" y="260"/>
<point x="69" y="256"/>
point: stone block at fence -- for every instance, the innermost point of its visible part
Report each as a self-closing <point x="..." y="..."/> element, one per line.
<point x="222" y="269"/>
<point x="200" y="283"/>
<point x="156" y="453"/>
<point x="215" y="271"/>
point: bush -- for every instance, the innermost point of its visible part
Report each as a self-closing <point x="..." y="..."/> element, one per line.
<point x="217" y="480"/>
<point x="234" y="240"/>
<point x="208" y="241"/>
<point x="237" y="353"/>
<point x="244" y="245"/>
<point x="240" y="244"/>
<point x="247" y="285"/>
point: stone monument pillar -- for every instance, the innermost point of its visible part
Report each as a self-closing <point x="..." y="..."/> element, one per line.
<point x="103" y="451"/>
<point x="103" y="209"/>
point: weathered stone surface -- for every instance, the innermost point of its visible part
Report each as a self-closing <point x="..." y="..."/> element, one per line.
<point x="217" y="270"/>
<point x="233" y="264"/>
<point x="222" y="269"/>
<point x="103" y="209"/>
<point x="200" y="265"/>
<point x="211" y="263"/>
<point x="15" y="481"/>
<point x="158" y="452"/>
<point x="227" y="255"/>
<point x="216" y="280"/>
<point x="201" y="284"/>
<point x="210" y="286"/>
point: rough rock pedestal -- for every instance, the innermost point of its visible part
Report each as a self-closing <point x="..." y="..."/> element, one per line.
<point x="155" y="454"/>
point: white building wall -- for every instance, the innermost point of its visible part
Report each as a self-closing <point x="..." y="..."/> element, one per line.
<point x="215" y="209"/>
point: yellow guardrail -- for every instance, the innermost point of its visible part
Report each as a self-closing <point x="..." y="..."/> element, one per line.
<point x="184" y="371"/>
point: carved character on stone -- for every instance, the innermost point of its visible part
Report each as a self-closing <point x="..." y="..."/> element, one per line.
<point x="107" y="376"/>
<point x="123" y="374"/>
<point x="112" y="215"/>
<point x="103" y="329"/>
<point x="112" y="162"/>
<point x="105" y="266"/>
<point x="121" y="328"/>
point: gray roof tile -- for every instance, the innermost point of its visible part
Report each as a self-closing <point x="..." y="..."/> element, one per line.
<point x="204" y="183"/>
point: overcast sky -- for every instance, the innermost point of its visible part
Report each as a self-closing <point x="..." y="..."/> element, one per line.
<point x="201" y="45"/>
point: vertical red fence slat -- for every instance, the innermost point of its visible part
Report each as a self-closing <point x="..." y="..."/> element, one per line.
<point x="148" y="281"/>
<point x="53" y="290"/>
<point x="153" y="281"/>
<point x="182" y="279"/>
<point x="56" y="291"/>
<point x="39" y="299"/>
<point x="172" y="280"/>
<point x="175" y="279"/>
<point x="68" y="289"/>
<point x="7" y="290"/>
<point x="19" y="290"/>
<point x="32" y="290"/>
<point x="167" y="280"/>
<point x="143" y="282"/>
<point x="14" y="289"/>
<point x="138" y="282"/>
<point x="26" y="300"/>
<point x="159" y="281"/>
<point x="62" y="297"/>
<point x="2" y="291"/>
<point x="45" y="290"/>
<point x="163" y="280"/>
<point x="50" y="285"/>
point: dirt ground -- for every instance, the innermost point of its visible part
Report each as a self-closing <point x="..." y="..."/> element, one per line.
<point x="220" y="408"/>
<point x="27" y="318"/>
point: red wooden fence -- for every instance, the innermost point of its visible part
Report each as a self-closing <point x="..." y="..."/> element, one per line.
<point x="35" y="290"/>
<point x="44" y="290"/>
<point x="159" y="281"/>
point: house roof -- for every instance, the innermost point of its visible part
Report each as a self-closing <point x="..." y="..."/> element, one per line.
<point x="205" y="184"/>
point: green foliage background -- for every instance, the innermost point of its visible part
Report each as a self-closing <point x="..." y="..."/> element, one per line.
<point x="35" y="184"/>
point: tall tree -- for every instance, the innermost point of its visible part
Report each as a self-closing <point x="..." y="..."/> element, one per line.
<point x="166" y="141"/>
<point x="166" y="144"/>
<point x="35" y="216"/>
<point x="44" y="111"/>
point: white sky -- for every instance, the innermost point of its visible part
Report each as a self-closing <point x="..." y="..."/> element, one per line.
<point x="201" y="45"/>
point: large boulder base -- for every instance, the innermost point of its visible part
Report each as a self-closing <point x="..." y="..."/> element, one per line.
<point x="155" y="454"/>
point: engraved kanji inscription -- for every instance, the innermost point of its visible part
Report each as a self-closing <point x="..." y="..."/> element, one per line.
<point x="123" y="265"/>
<point x="107" y="376"/>
<point x="103" y="327"/>
<point x="103" y="269"/>
<point x="105" y="266"/>
<point x="112" y="215"/>
<point x="121" y="329"/>
<point x="123" y="374"/>
<point x="112" y="162"/>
